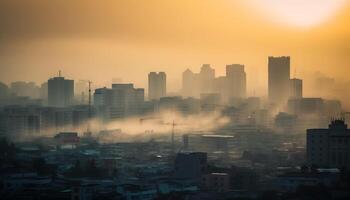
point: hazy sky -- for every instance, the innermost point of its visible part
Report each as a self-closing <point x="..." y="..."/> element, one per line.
<point x="105" y="39"/>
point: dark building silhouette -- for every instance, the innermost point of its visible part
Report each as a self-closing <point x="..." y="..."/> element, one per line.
<point x="329" y="147"/>
<point x="156" y="85"/>
<point x="278" y="79"/>
<point x="190" y="165"/>
<point x="60" y="92"/>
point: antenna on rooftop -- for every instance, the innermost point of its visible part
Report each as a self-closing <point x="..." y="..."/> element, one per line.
<point x="59" y="73"/>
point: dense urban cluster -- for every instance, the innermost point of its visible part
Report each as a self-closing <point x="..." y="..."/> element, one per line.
<point x="68" y="140"/>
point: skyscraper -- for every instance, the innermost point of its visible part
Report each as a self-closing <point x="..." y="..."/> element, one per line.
<point x="189" y="83"/>
<point x="296" y="88"/>
<point x="206" y="79"/>
<point x="236" y="81"/>
<point x="120" y="101"/>
<point x="278" y="79"/>
<point x="60" y="92"/>
<point x="156" y="85"/>
<point x="194" y="84"/>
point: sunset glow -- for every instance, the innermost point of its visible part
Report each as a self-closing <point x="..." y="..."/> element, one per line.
<point x="303" y="13"/>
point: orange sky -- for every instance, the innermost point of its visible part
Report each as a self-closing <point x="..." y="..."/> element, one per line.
<point x="105" y="39"/>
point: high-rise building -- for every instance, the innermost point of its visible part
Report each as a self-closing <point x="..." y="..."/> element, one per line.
<point x="296" y="88"/>
<point x="156" y="85"/>
<point x="278" y="79"/>
<point x="60" y="92"/>
<point x="103" y="97"/>
<point x="237" y="81"/>
<point x="329" y="147"/>
<point x="194" y="84"/>
<point x="206" y="79"/>
<point x="121" y="101"/>
<point x="189" y="83"/>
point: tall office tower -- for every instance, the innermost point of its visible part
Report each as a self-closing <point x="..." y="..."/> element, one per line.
<point x="60" y="92"/>
<point x="103" y="97"/>
<point x="237" y="81"/>
<point x="156" y="85"/>
<point x="121" y="101"/>
<point x="296" y="88"/>
<point x="329" y="147"/>
<point x="126" y="100"/>
<point x="189" y="83"/>
<point x="278" y="80"/>
<point x="206" y="79"/>
<point x="103" y="102"/>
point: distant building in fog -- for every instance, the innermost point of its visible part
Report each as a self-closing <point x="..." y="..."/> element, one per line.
<point x="193" y="84"/>
<point x="4" y="90"/>
<point x="29" y="89"/>
<point x="278" y="79"/>
<point x="17" y="122"/>
<point x="189" y="83"/>
<point x="156" y="85"/>
<point x="60" y="92"/>
<point x="81" y="91"/>
<point x="306" y="106"/>
<point x="121" y="101"/>
<point x="329" y="147"/>
<point x="44" y="92"/>
<point x="206" y="79"/>
<point x="296" y="88"/>
<point x="236" y="81"/>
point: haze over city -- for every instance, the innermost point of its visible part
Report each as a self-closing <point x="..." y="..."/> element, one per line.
<point x="112" y="39"/>
<point x="175" y="99"/>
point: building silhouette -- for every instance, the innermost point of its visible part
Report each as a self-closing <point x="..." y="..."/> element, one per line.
<point x="206" y="79"/>
<point x="236" y="81"/>
<point x="278" y="79"/>
<point x="60" y="92"/>
<point x="329" y="147"/>
<point x="4" y="90"/>
<point x="156" y="85"/>
<point x="120" y="101"/>
<point x="189" y="79"/>
<point x="296" y="88"/>
<point x="22" y="88"/>
<point x="193" y="84"/>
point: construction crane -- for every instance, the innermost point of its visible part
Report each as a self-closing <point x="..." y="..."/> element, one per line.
<point x="173" y="124"/>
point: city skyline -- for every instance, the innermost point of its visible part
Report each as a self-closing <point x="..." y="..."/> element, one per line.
<point x="110" y="43"/>
<point x="174" y="99"/>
